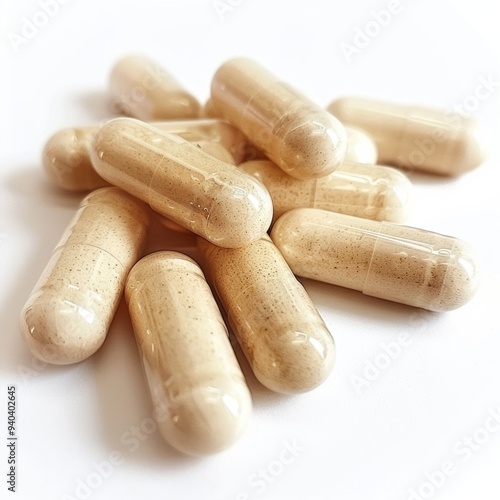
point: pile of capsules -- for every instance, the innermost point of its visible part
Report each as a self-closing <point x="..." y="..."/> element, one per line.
<point x="309" y="173"/>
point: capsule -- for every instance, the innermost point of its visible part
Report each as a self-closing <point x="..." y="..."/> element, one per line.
<point x="393" y="262"/>
<point x="195" y="381"/>
<point x="370" y="191"/>
<point x="209" y="110"/>
<point x="282" y="335"/>
<point x="179" y="181"/>
<point x="415" y="137"/>
<point x="68" y="314"/>
<point x="361" y="148"/>
<point x="67" y="163"/>
<point x="303" y="139"/>
<point x="143" y="89"/>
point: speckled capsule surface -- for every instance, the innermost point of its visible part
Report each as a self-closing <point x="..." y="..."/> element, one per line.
<point x="370" y="191"/>
<point x="280" y="331"/>
<point x="211" y="198"/>
<point x="66" y="155"/>
<point x="141" y="88"/>
<point x="361" y="148"/>
<point x="68" y="314"/>
<point x="398" y="263"/>
<point x="303" y="139"/>
<point x="195" y="381"/>
<point x="416" y="137"/>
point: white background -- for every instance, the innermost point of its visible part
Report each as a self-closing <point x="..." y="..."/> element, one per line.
<point x="375" y="443"/>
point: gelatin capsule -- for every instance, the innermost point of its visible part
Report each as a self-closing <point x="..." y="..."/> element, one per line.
<point x="67" y="162"/>
<point x="209" y="110"/>
<point x="68" y="314"/>
<point x="361" y="148"/>
<point x="179" y="181"/>
<point x="393" y="262"/>
<point x="370" y="191"/>
<point x="416" y="137"/>
<point x="303" y="139"/>
<point x="194" y="378"/>
<point x="143" y="89"/>
<point x="281" y="333"/>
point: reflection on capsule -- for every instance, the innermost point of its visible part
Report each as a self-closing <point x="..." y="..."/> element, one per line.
<point x="68" y="314"/>
<point x="211" y="198"/>
<point x="370" y="191"/>
<point x="303" y="139"/>
<point x="194" y="378"/>
<point x="361" y="148"/>
<point x="143" y="89"/>
<point x="416" y="137"/>
<point x="278" y="327"/>
<point x="399" y="263"/>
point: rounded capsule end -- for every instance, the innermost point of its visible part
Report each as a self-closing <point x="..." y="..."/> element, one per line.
<point x="311" y="148"/>
<point x="398" y="196"/>
<point x="58" y="331"/>
<point x="462" y="278"/>
<point x="471" y="148"/>
<point x="208" y="418"/>
<point x="300" y="362"/>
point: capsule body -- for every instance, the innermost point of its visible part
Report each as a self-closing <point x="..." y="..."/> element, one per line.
<point x="68" y="314"/>
<point x="361" y="148"/>
<point x="303" y="139"/>
<point x="195" y="381"/>
<point x="178" y="180"/>
<point x="417" y="138"/>
<point x="66" y="155"/>
<point x="370" y="191"/>
<point x="399" y="263"/>
<point x="280" y="331"/>
<point x="143" y="89"/>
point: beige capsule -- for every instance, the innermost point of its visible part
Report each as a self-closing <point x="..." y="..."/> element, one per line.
<point x="434" y="140"/>
<point x="211" y="198"/>
<point x="141" y="88"/>
<point x="299" y="136"/>
<point x="281" y="333"/>
<point x="201" y="399"/>
<point x="370" y="191"/>
<point x="361" y="148"/>
<point x="399" y="263"/>
<point x="68" y="314"/>
<point x="66" y="155"/>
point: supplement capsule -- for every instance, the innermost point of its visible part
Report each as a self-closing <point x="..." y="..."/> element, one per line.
<point x="361" y="148"/>
<point x="143" y="89"/>
<point x="179" y="181"/>
<point x="370" y="191"/>
<point x="280" y="331"/>
<point x="417" y="138"/>
<point x="69" y="312"/>
<point x="399" y="263"/>
<point x="194" y="378"/>
<point x="67" y="162"/>
<point x="303" y="139"/>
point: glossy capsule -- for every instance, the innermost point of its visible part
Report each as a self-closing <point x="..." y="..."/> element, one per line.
<point x="273" y="318"/>
<point x="142" y="88"/>
<point x="66" y="155"/>
<point x="211" y="198"/>
<point x="370" y="191"/>
<point x="68" y="314"/>
<point x="198" y="389"/>
<point x="303" y="139"/>
<point x="361" y="148"/>
<point x="416" y="137"/>
<point x="399" y="263"/>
